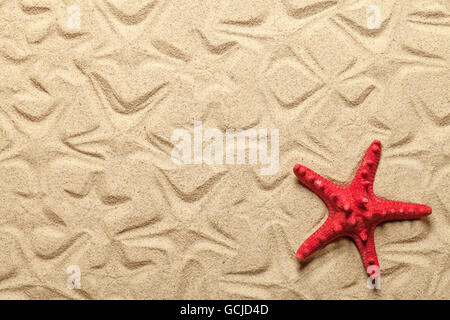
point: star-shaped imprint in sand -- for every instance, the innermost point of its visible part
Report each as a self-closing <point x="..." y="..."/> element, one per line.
<point x="354" y="210"/>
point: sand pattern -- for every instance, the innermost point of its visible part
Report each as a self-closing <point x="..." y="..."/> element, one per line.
<point x="91" y="91"/>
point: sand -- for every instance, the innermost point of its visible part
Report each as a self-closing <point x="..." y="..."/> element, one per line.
<point x="92" y="205"/>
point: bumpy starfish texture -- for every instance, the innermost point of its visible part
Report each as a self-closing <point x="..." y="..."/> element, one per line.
<point x="354" y="210"/>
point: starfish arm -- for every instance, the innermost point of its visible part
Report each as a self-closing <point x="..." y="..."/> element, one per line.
<point x="366" y="247"/>
<point x="324" y="188"/>
<point x="395" y="210"/>
<point x="366" y="172"/>
<point x="320" y="238"/>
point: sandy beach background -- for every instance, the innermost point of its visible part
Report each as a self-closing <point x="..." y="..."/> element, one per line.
<point x="91" y="91"/>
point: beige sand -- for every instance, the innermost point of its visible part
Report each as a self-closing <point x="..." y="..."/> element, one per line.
<point x="87" y="114"/>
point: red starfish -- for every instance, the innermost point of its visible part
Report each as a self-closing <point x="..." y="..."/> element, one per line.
<point x="354" y="210"/>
